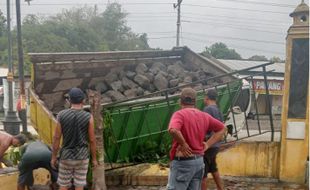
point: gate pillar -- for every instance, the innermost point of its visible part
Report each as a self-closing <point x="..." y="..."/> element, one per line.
<point x="295" y="113"/>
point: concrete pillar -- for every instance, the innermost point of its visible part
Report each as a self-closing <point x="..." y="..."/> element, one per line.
<point x="295" y="112"/>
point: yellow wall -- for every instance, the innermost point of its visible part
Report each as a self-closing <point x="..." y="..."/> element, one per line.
<point x="42" y="119"/>
<point x="9" y="181"/>
<point x="251" y="159"/>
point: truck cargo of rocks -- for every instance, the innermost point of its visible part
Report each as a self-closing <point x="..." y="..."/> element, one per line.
<point x="120" y="77"/>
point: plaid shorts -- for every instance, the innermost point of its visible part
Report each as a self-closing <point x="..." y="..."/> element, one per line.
<point x="72" y="169"/>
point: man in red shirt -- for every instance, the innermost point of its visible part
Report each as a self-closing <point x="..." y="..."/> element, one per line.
<point x="188" y="127"/>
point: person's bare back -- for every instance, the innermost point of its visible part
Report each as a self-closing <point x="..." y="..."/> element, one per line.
<point x="5" y="142"/>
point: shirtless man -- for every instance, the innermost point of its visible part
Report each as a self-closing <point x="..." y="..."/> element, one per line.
<point x="6" y="140"/>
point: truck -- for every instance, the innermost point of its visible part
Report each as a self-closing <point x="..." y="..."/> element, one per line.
<point x="138" y="92"/>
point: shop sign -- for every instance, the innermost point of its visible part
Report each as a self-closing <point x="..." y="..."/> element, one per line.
<point x="274" y="86"/>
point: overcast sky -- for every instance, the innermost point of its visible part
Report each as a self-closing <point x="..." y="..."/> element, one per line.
<point x="251" y="27"/>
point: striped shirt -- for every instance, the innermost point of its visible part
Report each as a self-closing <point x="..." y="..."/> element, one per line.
<point x="74" y="126"/>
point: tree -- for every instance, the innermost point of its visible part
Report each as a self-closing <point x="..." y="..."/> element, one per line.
<point x="221" y="51"/>
<point x="258" y="58"/>
<point x="2" y="24"/>
<point x="38" y="37"/>
<point x="114" y="26"/>
<point x="276" y="59"/>
<point x="3" y="40"/>
<point x="82" y="29"/>
<point x="75" y="26"/>
<point x="79" y="29"/>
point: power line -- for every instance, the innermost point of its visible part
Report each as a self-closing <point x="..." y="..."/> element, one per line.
<point x="162" y="37"/>
<point x="219" y="21"/>
<point x="250" y="26"/>
<point x="157" y="3"/>
<point x="218" y="36"/>
<point x="79" y="4"/>
<point x="224" y="20"/>
<point x="209" y="15"/>
<point x="246" y="22"/>
<point x="152" y="3"/>
<point x="151" y="20"/>
<point x="235" y="38"/>
<point x="225" y="25"/>
<point x="189" y="13"/>
<point x="203" y="41"/>
<point x="133" y="15"/>
<point x="161" y="32"/>
<point x="75" y="4"/>
<point x="233" y="26"/>
<point x="261" y="3"/>
<point x="233" y="17"/>
<point x="235" y="9"/>
<point x="151" y="15"/>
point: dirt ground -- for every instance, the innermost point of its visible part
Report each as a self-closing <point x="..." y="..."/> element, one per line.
<point x="230" y="184"/>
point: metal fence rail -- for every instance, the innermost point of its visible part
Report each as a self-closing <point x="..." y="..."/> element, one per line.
<point x="136" y="129"/>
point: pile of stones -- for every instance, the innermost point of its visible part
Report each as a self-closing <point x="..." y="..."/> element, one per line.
<point x="144" y="78"/>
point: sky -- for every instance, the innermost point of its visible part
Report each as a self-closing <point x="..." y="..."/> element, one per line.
<point x="251" y="27"/>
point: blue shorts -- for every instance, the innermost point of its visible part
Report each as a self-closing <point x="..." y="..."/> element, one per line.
<point x="186" y="174"/>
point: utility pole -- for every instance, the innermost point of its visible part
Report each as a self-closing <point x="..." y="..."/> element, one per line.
<point x="22" y="96"/>
<point x="11" y="122"/>
<point x="178" y="6"/>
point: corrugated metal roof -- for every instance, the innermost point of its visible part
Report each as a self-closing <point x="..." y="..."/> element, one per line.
<point x="235" y="65"/>
<point x="261" y="77"/>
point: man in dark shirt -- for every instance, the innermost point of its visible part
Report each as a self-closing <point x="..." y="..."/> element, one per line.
<point x="210" y="155"/>
<point x="76" y="126"/>
<point x="34" y="155"/>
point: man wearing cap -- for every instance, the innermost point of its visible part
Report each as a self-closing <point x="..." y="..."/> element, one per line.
<point x="76" y="126"/>
<point x="188" y="128"/>
<point x="210" y="155"/>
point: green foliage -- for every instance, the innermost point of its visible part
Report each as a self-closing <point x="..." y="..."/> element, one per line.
<point x="275" y="59"/>
<point x="114" y="28"/>
<point x="153" y="152"/>
<point x="258" y="58"/>
<point x="13" y="155"/>
<point x="3" y="40"/>
<point x="2" y="24"/>
<point x="117" y="34"/>
<point x="221" y="51"/>
<point x="89" y="175"/>
<point x="108" y="136"/>
<point x="81" y="29"/>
